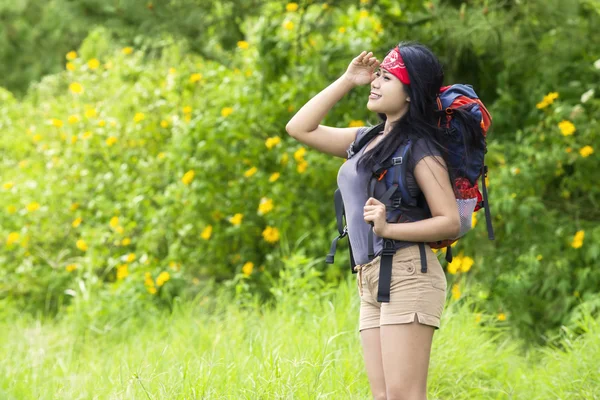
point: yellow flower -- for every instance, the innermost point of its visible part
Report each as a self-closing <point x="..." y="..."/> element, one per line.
<point x="71" y="267"/>
<point x="578" y="239"/>
<point x="119" y="229"/>
<point x="242" y="44"/>
<point x="151" y="290"/>
<point x="342" y="30"/>
<point x="33" y="206"/>
<point x="56" y="122"/>
<point x="206" y="232"/>
<point x="73" y="139"/>
<point x="93" y="63"/>
<point x="247" y="268"/>
<point x="456" y="291"/>
<point x="477" y="318"/>
<point x="90" y="113"/>
<point x="114" y="222"/>
<point x="148" y="281"/>
<point x="302" y="167"/>
<point x="236" y="219"/>
<point x="12" y="238"/>
<point x="122" y="271"/>
<point x="174" y="266"/>
<point x="356" y="123"/>
<point x="542" y="104"/>
<point x="501" y="317"/>
<point x="289" y="25"/>
<point x="70" y="66"/>
<point x="466" y="264"/>
<point x="552" y="96"/>
<point x="272" y="141"/>
<point x="473" y="220"/>
<point x="187" y="109"/>
<point x="130" y="257"/>
<point x="299" y="154"/>
<point x="265" y="206"/>
<point x="586" y="151"/>
<point x="111" y="140"/>
<point x="36" y="138"/>
<point x="188" y="177"/>
<point x="291" y="7"/>
<point x="76" y="222"/>
<point x="195" y="77"/>
<point x="284" y="159"/>
<point x="271" y="234"/>
<point x="8" y="185"/>
<point x="76" y="88"/>
<point x="164" y="124"/>
<point x="363" y="14"/>
<point x="566" y="127"/>
<point x="74" y="206"/>
<point x="274" y="177"/>
<point x="11" y="209"/>
<point x="226" y="111"/>
<point x="127" y="50"/>
<point x="162" y="278"/>
<point x="250" y="172"/>
<point x="102" y="123"/>
<point x="325" y="6"/>
<point x="71" y="55"/>
<point x="82" y="245"/>
<point x="516" y="171"/>
<point x="455" y="265"/>
<point x="73" y="119"/>
<point x="160" y="155"/>
<point x="547" y="100"/>
<point x="539" y="257"/>
<point x="126" y="242"/>
<point x="139" y="117"/>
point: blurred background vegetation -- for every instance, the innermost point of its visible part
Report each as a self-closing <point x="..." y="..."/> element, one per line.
<point x="144" y="154"/>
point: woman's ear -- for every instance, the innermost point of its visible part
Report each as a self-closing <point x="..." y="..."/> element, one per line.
<point x="408" y="99"/>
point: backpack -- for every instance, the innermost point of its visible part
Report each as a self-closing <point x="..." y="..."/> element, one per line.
<point x="468" y="197"/>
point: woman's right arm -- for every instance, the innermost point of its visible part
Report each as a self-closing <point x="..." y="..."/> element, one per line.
<point x="305" y="125"/>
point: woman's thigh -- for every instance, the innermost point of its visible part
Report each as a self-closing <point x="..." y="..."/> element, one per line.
<point x="371" y="343"/>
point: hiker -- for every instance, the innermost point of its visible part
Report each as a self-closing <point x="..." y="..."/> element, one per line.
<point x="401" y="283"/>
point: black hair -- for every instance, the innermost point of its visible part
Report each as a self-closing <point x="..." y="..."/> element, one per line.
<point x="421" y="119"/>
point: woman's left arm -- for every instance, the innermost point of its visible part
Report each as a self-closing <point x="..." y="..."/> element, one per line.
<point x="434" y="182"/>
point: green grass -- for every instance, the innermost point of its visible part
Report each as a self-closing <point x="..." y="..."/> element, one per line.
<point x="215" y="348"/>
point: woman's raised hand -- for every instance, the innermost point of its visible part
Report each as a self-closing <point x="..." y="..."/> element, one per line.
<point x="361" y="70"/>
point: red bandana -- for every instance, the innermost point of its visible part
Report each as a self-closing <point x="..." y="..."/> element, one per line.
<point x="395" y="65"/>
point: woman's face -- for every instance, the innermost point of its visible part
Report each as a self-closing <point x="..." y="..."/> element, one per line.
<point x="392" y="99"/>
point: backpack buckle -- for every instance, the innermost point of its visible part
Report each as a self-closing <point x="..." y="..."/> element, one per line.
<point x="396" y="160"/>
<point x="396" y="202"/>
<point x="350" y="150"/>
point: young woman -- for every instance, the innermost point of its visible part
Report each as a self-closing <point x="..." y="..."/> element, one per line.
<point x="396" y="335"/>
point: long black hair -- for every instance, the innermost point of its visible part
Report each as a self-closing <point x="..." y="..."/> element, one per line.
<point x="421" y="119"/>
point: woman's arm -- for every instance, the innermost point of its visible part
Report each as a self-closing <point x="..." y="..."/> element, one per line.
<point x="434" y="182"/>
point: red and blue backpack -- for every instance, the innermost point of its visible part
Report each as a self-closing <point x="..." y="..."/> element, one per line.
<point x="468" y="168"/>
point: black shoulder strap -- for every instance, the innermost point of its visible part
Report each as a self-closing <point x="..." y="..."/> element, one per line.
<point x="364" y="138"/>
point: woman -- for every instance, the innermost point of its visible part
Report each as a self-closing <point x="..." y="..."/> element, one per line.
<point x="396" y="336"/>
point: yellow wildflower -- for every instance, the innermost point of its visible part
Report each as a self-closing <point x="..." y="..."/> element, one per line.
<point x="71" y="55"/>
<point x="57" y="122"/>
<point x="160" y="155"/>
<point x="174" y="266"/>
<point x="578" y="239"/>
<point x="466" y="264"/>
<point x="82" y="245"/>
<point x="363" y="14"/>
<point x="291" y="7"/>
<point x="8" y="185"/>
<point x="127" y="50"/>
<point x="114" y="222"/>
<point x="242" y="44"/>
<point x="71" y="267"/>
<point x="138" y="117"/>
<point x="148" y="281"/>
<point x="206" y="232"/>
<point x="302" y="167"/>
<point x="76" y="88"/>
<point x="250" y="172"/>
<point x="247" y="268"/>
<point x="70" y="66"/>
<point x="164" y="124"/>
<point x="274" y="177"/>
<point x="456" y="291"/>
<point x="122" y="271"/>
<point x="539" y="257"/>
<point x="33" y="206"/>
<point x="236" y="219"/>
<point x="74" y="206"/>
<point x="111" y="140"/>
<point x="299" y="154"/>
<point x="11" y="209"/>
<point x="342" y="30"/>
<point x="289" y="25"/>
<point x="188" y="177"/>
<point x="356" y="123"/>
<point x="226" y="111"/>
<point x="93" y="64"/>
<point x="265" y="206"/>
<point x="12" y="238"/>
<point x="284" y="159"/>
<point x="90" y="113"/>
<point x="102" y="123"/>
<point x="130" y="257"/>
<point x="501" y="317"/>
<point x="272" y="141"/>
<point x="73" y="119"/>
<point x="473" y="220"/>
<point x="566" y="127"/>
<point x="187" y="109"/>
<point x="162" y="278"/>
<point x="76" y="222"/>
<point x="455" y="265"/>
<point x="271" y="234"/>
<point x="586" y="151"/>
<point x="195" y="77"/>
<point x="126" y="241"/>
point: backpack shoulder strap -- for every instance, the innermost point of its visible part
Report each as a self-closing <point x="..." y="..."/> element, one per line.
<point x="362" y="138"/>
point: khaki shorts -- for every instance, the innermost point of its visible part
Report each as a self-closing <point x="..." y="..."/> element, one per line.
<point x="412" y="292"/>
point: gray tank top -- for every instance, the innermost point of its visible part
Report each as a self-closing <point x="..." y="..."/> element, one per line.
<point x="353" y="186"/>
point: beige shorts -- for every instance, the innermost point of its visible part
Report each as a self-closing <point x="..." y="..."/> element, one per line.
<point x="412" y="292"/>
